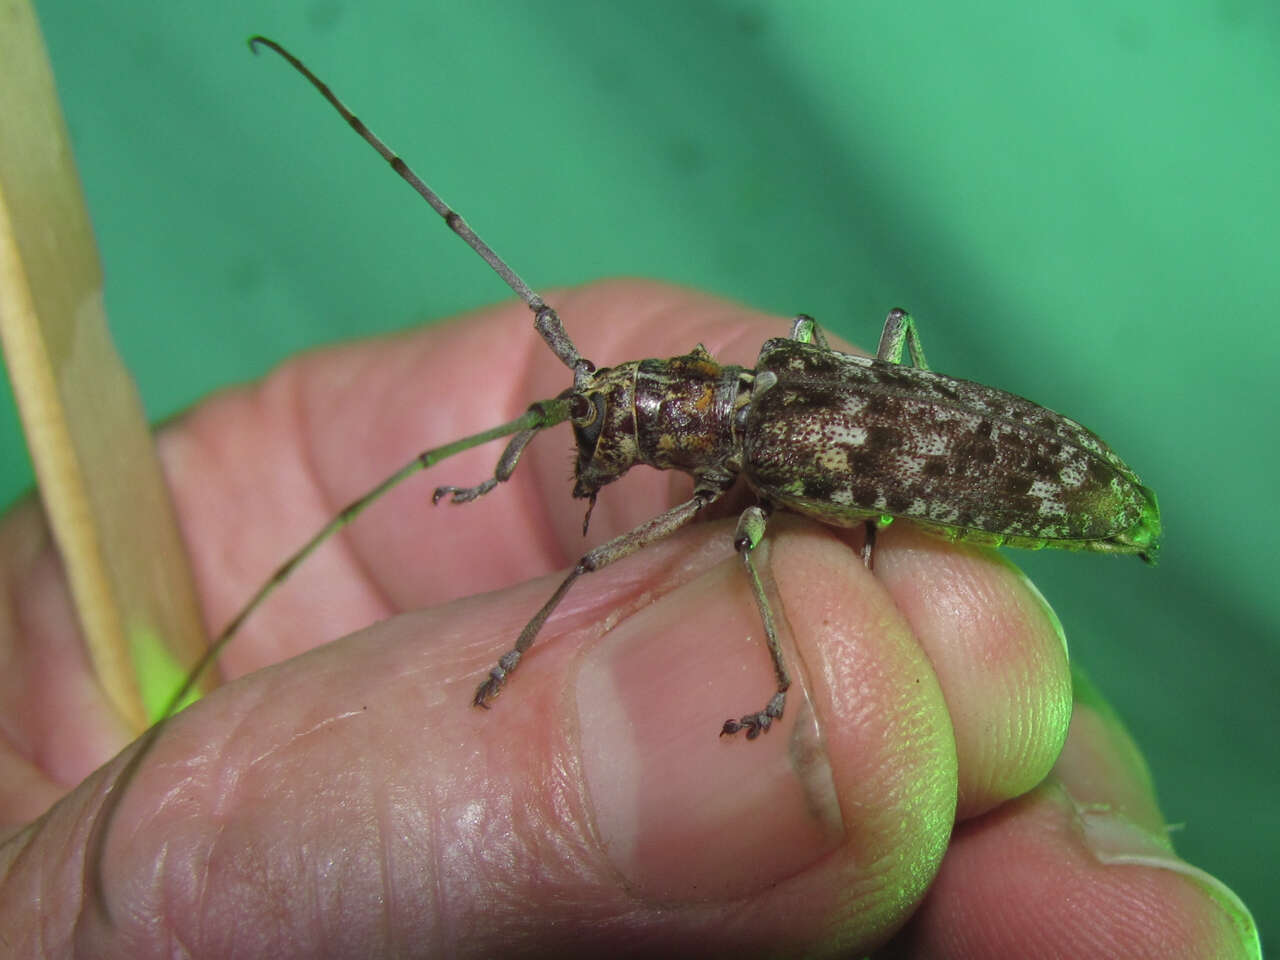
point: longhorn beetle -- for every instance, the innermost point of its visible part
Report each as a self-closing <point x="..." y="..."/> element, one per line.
<point x="845" y="440"/>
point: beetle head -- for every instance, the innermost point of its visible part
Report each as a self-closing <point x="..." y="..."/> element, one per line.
<point x="602" y="411"/>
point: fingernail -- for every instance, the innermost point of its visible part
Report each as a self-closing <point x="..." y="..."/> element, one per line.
<point x="1115" y="840"/>
<point x="683" y="813"/>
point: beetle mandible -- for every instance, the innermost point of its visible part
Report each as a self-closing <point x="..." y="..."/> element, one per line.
<point x="843" y="439"/>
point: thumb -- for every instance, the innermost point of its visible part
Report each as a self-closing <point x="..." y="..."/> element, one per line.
<point x="351" y="801"/>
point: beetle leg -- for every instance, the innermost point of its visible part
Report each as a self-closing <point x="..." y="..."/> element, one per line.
<point x="663" y="525"/>
<point x="900" y="330"/>
<point x="506" y="466"/>
<point x="750" y="532"/>
<point x="805" y="329"/>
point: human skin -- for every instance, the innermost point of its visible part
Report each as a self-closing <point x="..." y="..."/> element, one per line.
<point x="938" y="787"/>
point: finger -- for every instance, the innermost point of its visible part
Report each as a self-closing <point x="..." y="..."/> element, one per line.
<point x="351" y="801"/>
<point x="58" y="725"/>
<point x="1082" y="867"/>
<point x="256" y="471"/>
<point x="1000" y="656"/>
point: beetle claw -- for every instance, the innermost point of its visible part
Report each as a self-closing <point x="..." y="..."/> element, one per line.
<point x="754" y="723"/>
<point x="757" y="723"/>
<point x="490" y="688"/>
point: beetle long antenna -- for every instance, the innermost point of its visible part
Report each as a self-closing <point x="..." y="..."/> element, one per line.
<point x="547" y="320"/>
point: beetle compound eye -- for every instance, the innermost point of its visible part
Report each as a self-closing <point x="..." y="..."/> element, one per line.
<point x="588" y="426"/>
<point x="581" y="410"/>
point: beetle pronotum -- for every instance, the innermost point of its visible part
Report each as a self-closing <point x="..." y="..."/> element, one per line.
<point x="843" y="439"/>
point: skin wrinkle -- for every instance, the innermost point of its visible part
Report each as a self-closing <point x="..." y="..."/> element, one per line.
<point x="215" y="571"/>
<point x="263" y="401"/>
<point x="228" y="778"/>
<point x="301" y="735"/>
<point x="575" y="798"/>
<point x="202" y="884"/>
<point x="459" y="822"/>
<point x="567" y="805"/>
<point x="203" y="857"/>
<point x="569" y="800"/>
<point x="537" y="840"/>
<point x="1019" y="733"/>
<point x="442" y="920"/>
<point x="303" y="427"/>
<point x="171" y="888"/>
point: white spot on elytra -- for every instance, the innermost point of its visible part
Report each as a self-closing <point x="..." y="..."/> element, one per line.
<point x="853" y="406"/>
<point x="850" y="436"/>
<point x="1043" y="490"/>
<point x="1073" y="474"/>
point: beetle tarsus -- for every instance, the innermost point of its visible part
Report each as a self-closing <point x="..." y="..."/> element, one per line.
<point x="486" y="692"/>
<point x="757" y="723"/>
<point x="491" y="687"/>
<point x="463" y="494"/>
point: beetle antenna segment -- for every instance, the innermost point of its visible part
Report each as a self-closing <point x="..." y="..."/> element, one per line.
<point x="547" y="320"/>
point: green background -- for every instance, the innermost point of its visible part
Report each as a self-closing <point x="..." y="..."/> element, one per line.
<point x="1079" y="202"/>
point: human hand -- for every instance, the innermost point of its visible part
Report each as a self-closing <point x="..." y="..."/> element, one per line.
<point x="344" y="798"/>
